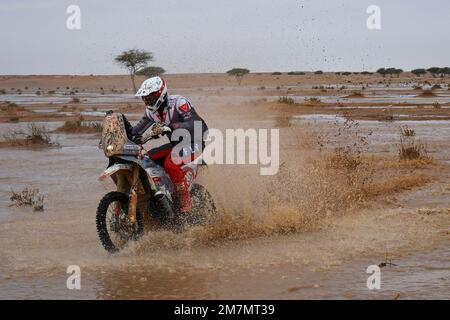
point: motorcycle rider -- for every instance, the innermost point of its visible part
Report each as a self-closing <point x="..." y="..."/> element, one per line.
<point x="165" y="113"/>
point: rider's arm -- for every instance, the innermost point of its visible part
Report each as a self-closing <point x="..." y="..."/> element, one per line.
<point x="142" y="126"/>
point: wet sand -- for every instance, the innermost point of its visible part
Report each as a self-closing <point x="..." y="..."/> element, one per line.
<point x="325" y="261"/>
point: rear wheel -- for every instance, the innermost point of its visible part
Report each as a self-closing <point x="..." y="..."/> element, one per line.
<point x="113" y="225"/>
<point x="204" y="209"/>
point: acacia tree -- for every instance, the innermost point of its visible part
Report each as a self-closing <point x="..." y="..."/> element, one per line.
<point x="238" y="73"/>
<point x="150" y="71"/>
<point x="419" y="72"/>
<point x="134" y="60"/>
<point x="382" y="71"/>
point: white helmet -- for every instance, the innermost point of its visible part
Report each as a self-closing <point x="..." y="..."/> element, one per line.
<point x="153" y="92"/>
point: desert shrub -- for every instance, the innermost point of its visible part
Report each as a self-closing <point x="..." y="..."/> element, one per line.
<point x="436" y="105"/>
<point x="409" y="148"/>
<point x="28" y="197"/>
<point x="38" y="93"/>
<point x="14" y="119"/>
<point x="427" y="93"/>
<point x="436" y="86"/>
<point x="286" y="100"/>
<point x="313" y="100"/>
<point x="75" y="100"/>
<point x="276" y="73"/>
<point x="407" y="132"/>
<point x="11" y="107"/>
<point x="318" y="72"/>
<point x="355" y="94"/>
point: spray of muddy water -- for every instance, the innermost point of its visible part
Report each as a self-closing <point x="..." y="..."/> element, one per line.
<point x="312" y="184"/>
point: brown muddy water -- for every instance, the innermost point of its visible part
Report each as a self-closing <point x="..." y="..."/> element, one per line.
<point x="409" y="229"/>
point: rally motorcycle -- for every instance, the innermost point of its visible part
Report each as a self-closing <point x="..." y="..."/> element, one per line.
<point x="144" y="192"/>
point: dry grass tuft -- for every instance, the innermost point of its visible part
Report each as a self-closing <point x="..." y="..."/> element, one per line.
<point x="35" y="136"/>
<point x="28" y="197"/>
<point x="80" y="126"/>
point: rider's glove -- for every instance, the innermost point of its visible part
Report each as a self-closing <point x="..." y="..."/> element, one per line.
<point x="158" y="129"/>
<point x="166" y="130"/>
<point x="138" y="139"/>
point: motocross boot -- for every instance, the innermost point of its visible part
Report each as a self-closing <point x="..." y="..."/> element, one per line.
<point x="184" y="197"/>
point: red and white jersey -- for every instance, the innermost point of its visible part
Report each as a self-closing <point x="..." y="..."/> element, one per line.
<point x="177" y="113"/>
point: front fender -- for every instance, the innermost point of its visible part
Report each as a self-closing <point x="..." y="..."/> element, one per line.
<point x="113" y="169"/>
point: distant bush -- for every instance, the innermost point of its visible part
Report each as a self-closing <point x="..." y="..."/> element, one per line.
<point x="296" y="73"/>
<point x="277" y="73"/>
<point x="318" y="72"/>
<point x="75" y="100"/>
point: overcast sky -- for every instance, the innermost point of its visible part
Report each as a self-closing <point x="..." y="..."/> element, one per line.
<point x="214" y="35"/>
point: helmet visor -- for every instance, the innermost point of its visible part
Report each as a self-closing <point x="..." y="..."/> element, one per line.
<point x="151" y="99"/>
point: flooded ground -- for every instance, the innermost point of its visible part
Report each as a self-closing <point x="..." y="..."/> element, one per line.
<point x="408" y="227"/>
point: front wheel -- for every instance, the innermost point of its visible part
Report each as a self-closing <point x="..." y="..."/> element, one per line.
<point x="113" y="225"/>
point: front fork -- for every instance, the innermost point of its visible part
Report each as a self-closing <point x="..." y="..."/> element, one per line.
<point x="132" y="204"/>
<point x="133" y="198"/>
